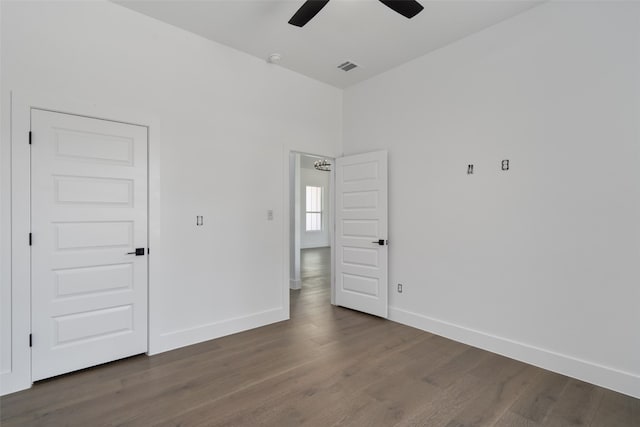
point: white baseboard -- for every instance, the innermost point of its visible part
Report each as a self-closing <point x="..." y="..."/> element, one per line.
<point x="181" y="338"/>
<point x="604" y="376"/>
<point x="11" y="382"/>
<point x="295" y="284"/>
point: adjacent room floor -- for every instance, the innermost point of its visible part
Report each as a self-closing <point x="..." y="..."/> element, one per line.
<point x="327" y="366"/>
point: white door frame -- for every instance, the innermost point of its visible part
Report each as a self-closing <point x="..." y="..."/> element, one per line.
<point x="18" y="377"/>
<point x="287" y="223"/>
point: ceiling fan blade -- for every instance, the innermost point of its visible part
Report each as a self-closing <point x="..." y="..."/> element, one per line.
<point x="406" y="8"/>
<point x="308" y="10"/>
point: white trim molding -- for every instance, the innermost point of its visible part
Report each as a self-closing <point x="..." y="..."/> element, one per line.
<point x="295" y="284"/>
<point x="289" y="282"/>
<point x="18" y="377"/>
<point x="604" y="376"/>
<point x="184" y="337"/>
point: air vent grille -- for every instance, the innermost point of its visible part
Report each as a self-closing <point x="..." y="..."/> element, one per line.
<point x="347" y="66"/>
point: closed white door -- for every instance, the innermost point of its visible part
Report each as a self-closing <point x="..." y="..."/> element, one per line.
<point x="88" y="214"/>
<point x="361" y="233"/>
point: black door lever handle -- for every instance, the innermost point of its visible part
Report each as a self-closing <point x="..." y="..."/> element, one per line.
<point x="138" y="252"/>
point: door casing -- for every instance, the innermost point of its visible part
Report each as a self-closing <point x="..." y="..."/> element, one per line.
<point x="18" y="376"/>
<point x="287" y="222"/>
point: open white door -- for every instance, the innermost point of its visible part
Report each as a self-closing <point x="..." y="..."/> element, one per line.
<point x="361" y="233"/>
<point x="88" y="215"/>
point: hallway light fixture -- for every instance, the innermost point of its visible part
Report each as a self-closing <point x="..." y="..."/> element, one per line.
<point x="322" y="165"/>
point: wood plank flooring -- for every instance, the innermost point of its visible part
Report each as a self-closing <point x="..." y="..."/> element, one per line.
<point x="328" y="366"/>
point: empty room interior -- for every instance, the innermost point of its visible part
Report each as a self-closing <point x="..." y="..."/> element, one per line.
<point x="322" y="213"/>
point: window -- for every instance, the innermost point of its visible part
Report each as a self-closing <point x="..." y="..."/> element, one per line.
<point x="314" y="209"/>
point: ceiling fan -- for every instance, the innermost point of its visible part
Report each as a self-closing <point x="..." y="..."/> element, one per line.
<point x="310" y="8"/>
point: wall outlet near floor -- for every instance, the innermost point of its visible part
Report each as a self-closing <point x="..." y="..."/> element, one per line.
<point x="399" y="288"/>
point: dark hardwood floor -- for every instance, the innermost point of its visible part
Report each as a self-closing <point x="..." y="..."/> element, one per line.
<point x="327" y="366"/>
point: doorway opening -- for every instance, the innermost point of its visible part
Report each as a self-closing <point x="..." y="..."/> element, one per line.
<point x="311" y="230"/>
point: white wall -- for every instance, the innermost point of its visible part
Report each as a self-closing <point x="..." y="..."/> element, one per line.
<point x="315" y="178"/>
<point x="541" y="263"/>
<point x="224" y="121"/>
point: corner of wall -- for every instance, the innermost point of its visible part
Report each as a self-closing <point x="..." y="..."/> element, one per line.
<point x="340" y="142"/>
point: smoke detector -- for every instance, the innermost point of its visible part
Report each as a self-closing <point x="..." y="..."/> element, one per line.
<point x="274" y="58"/>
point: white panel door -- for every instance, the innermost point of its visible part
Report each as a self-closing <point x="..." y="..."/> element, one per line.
<point x="361" y="233"/>
<point x="88" y="212"/>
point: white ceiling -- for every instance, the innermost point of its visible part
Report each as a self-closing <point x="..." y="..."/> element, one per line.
<point x="362" y="31"/>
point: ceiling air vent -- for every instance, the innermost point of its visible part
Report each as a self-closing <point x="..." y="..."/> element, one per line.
<point x="347" y="66"/>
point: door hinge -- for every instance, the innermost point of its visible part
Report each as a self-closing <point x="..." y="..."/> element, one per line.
<point x="29" y="137"/>
<point x="30" y="340"/>
<point x="30" y="239"/>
